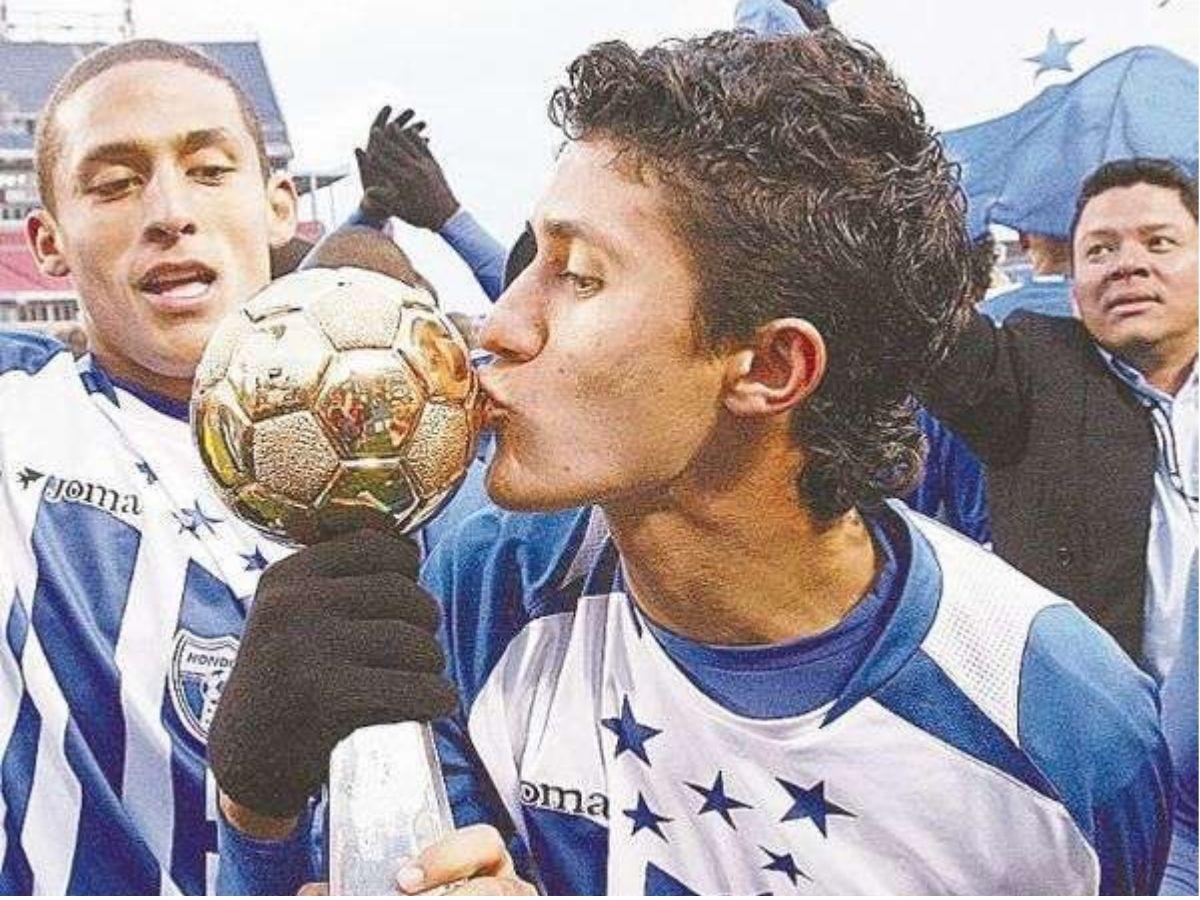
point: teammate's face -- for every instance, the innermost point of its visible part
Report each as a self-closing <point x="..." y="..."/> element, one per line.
<point x="600" y="391"/>
<point x="1135" y="271"/>
<point x="163" y="216"/>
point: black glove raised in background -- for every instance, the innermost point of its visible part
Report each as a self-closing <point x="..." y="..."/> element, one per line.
<point x="400" y="177"/>
<point x="340" y="636"/>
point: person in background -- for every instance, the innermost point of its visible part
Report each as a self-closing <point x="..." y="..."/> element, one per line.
<point x="1048" y="292"/>
<point x="402" y="178"/>
<point x="1088" y="427"/>
<point x="123" y="584"/>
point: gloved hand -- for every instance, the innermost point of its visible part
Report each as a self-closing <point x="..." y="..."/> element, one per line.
<point x="340" y="636"/>
<point x="400" y="176"/>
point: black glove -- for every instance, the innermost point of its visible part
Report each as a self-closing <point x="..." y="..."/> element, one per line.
<point x="400" y="176"/>
<point x="340" y="636"/>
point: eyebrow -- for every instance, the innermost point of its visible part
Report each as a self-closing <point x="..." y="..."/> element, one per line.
<point x="206" y="137"/>
<point x="580" y="230"/>
<point x="1150" y="228"/>
<point x="190" y="143"/>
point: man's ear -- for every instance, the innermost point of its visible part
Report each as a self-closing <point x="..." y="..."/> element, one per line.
<point x="41" y="231"/>
<point x="782" y="368"/>
<point x="282" y="202"/>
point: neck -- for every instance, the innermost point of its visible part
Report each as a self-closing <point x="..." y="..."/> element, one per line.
<point x="178" y="389"/>
<point x="1167" y="369"/>
<point x="742" y="561"/>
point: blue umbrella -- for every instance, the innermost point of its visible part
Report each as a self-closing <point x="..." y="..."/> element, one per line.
<point x="1024" y="169"/>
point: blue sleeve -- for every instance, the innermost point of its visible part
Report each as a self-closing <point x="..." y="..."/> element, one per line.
<point x="964" y="488"/>
<point x="27" y="351"/>
<point x="451" y="573"/>
<point x="473" y="799"/>
<point x="1089" y="720"/>
<point x="478" y="249"/>
<point x="768" y="17"/>
<point x="953" y="487"/>
<point x="358" y="217"/>
<point x="252" y="866"/>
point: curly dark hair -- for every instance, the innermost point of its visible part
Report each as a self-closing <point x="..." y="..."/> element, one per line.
<point x="806" y="183"/>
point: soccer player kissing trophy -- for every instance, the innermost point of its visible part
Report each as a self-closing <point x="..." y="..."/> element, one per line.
<point x="338" y="399"/>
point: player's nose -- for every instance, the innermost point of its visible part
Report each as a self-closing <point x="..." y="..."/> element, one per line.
<point x="515" y="329"/>
<point x="168" y="209"/>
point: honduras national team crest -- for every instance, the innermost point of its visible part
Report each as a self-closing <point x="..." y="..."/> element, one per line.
<point x="200" y="667"/>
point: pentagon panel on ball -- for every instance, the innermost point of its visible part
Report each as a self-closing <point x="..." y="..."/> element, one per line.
<point x="336" y="399"/>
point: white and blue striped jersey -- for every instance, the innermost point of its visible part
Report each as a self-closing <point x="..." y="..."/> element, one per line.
<point x="123" y="585"/>
<point x="992" y="739"/>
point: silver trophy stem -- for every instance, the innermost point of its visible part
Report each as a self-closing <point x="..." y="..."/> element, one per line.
<point x="387" y="802"/>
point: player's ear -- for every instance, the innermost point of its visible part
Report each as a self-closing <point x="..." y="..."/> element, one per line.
<point x="41" y="230"/>
<point x="778" y="371"/>
<point x="281" y="203"/>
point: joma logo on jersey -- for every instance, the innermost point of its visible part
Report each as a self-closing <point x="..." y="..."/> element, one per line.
<point x="563" y="799"/>
<point x="72" y="490"/>
<point x="200" y="667"/>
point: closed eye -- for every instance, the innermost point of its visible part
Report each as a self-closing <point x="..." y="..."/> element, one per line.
<point x="584" y="285"/>
<point x="113" y="188"/>
<point x="210" y="174"/>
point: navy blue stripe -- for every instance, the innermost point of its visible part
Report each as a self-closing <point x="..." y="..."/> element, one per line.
<point x="921" y="693"/>
<point x="16" y="773"/>
<point x="17" y="629"/>
<point x="16" y="768"/>
<point x="86" y="559"/>
<point x="77" y="610"/>
<point x="110" y="855"/>
<point x="571" y="852"/>
<point x="194" y="834"/>
<point x="210" y="610"/>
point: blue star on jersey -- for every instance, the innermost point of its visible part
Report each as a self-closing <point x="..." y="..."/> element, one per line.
<point x="254" y="561"/>
<point x="631" y="734"/>
<point x="561" y="690"/>
<point x="643" y="816"/>
<point x="810" y="803"/>
<point x="716" y="800"/>
<point x="783" y="862"/>
<point x="201" y="518"/>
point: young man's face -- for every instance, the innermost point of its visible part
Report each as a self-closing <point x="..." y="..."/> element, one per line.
<point x="600" y="391"/>
<point x="163" y="216"/>
<point x="1135" y="270"/>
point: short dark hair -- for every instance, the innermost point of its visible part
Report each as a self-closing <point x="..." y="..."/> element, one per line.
<point x="1137" y="170"/>
<point x="804" y="182"/>
<point x="46" y="140"/>
<point x="363" y="247"/>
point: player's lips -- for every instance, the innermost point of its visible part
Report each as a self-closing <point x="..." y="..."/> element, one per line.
<point x="177" y="287"/>
<point x="1129" y="303"/>
<point x="494" y="409"/>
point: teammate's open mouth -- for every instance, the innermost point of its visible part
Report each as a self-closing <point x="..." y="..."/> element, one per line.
<point x="177" y="281"/>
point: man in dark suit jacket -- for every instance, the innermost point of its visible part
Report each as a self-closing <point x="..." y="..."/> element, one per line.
<point x="1051" y="407"/>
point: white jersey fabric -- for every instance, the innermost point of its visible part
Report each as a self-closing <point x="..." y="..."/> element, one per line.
<point x="123" y="585"/>
<point x="993" y="741"/>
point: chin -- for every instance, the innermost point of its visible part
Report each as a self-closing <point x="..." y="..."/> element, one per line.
<point x="524" y="492"/>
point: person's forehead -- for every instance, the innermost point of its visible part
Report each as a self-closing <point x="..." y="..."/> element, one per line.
<point x="146" y="102"/>
<point x="1134" y="206"/>
<point x="593" y="186"/>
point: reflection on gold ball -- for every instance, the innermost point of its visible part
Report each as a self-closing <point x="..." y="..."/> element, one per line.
<point x="333" y="399"/>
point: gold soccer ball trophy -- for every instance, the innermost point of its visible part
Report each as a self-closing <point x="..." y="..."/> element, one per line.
<point x="335" y="398"/>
